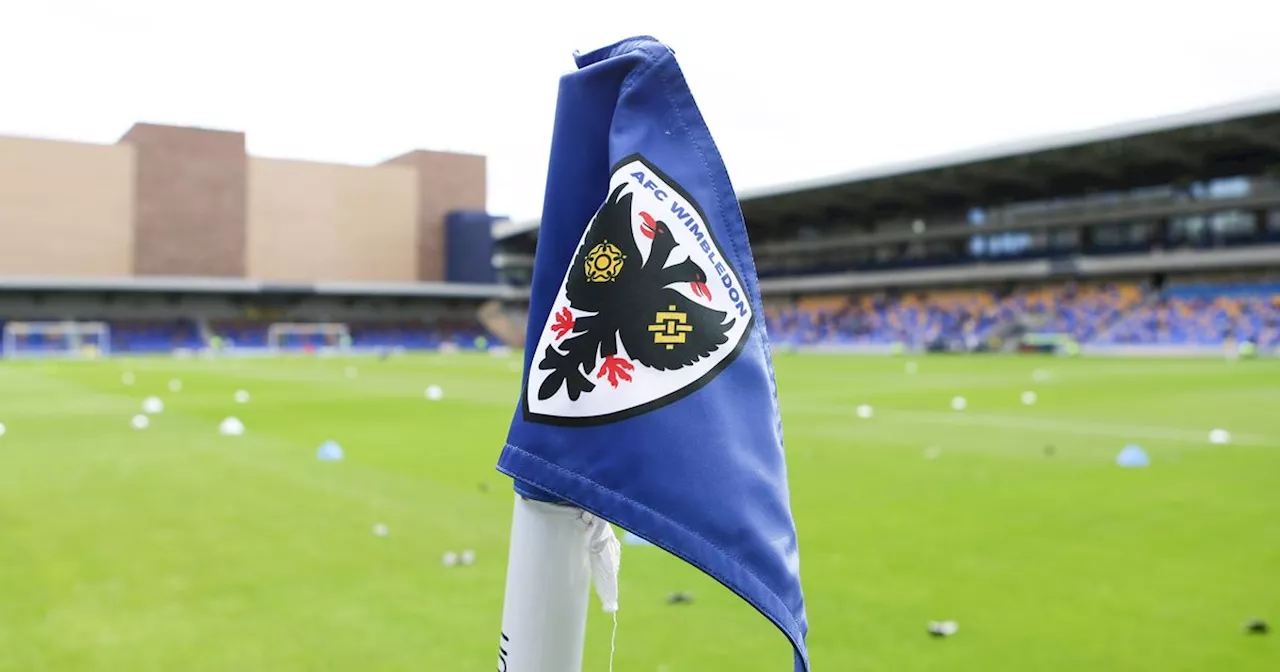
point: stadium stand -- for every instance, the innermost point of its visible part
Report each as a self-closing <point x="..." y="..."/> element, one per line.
<point x="407" y="334"/>
<point x="1148" y="237"/>
<point x="1088" y="239"/>
<point x="965" y="317"/>
<point x="1205" y="315"/>
<point x="150" y="321"/>
<point x="913" y="320"/>
<point x="165" y="336"/>
<point x="1123" y="313"/>
<point x="175" y="237"/>
<point x="149" y="336"/>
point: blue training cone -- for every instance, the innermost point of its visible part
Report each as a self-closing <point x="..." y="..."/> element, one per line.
<point x="1132" y="456"/>
<point x="329" y="451"/>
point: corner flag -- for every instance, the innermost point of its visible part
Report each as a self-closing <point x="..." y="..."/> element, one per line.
<point x="649" y="399"/>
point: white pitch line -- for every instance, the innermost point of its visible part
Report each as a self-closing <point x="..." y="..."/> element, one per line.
<point x="1089" y="428"/>
<point x="1062" y="425"/>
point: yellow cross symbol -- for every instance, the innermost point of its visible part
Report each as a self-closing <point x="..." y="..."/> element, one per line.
<point x="670" y="328"/>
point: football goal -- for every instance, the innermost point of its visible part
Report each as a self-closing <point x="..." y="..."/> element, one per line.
<point x="56" y="339"/>
<point x="308" y="337"/>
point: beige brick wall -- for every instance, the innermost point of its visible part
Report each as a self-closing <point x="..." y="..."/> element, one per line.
<point x="190" y="196"/>
<point x="66" y="209"/>
<point x="316" y="221"/>
<point x="446" y="181"/>
<point x="178" y="201"/>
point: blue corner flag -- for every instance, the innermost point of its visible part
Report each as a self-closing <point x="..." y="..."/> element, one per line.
<point x="649" y="398"/>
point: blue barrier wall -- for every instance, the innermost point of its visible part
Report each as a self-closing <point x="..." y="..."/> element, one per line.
<point x="469" y="247"/>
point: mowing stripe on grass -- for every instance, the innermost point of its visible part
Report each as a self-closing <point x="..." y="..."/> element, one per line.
<point x="1059" y="425"/>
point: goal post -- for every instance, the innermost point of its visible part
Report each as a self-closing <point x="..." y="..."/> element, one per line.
<point x="305" y="337"/>
<point x="65" y="339"/>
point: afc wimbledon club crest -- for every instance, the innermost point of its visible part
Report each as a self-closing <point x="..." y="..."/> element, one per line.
<point x="650" y="308"/>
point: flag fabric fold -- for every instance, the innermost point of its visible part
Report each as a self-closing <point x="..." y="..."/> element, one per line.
<point x="648" y="397"/>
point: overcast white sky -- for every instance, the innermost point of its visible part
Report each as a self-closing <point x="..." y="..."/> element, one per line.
<point x="791" y="89"/>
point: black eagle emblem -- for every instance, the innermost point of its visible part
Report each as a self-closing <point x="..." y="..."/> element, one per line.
<point x="615" y="297"/>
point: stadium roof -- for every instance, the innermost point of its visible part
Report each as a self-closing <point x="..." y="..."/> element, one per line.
<point x="1207" y="116"/>
<point x="1219" y="141"/>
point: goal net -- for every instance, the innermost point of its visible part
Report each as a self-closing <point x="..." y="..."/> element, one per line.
<point x="307" y="337"/>
<point x="56" y="339"/>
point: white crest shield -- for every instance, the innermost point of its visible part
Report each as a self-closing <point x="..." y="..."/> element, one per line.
<point x="649" y="310"/>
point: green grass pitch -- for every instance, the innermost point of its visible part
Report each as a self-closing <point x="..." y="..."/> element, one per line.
<point x="176" y="548"/>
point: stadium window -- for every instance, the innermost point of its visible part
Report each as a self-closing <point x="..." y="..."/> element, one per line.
<point x="1014" y="243"/>
<point x="1064" y="238"/>
<point x="978" y="246"/>
<point x="1187" y="227"/>
<point x="1223" y="187"/>
<point x="1228" y="187"/>
<point x="1022" y="242"/>
<point x="1151" y="193"/>
<point x="940" y="248"/>
<point x="1141" y="232"/>
<point x="1232" y="223"/>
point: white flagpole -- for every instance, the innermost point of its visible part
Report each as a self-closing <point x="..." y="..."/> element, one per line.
<point x="544" y="613"/>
